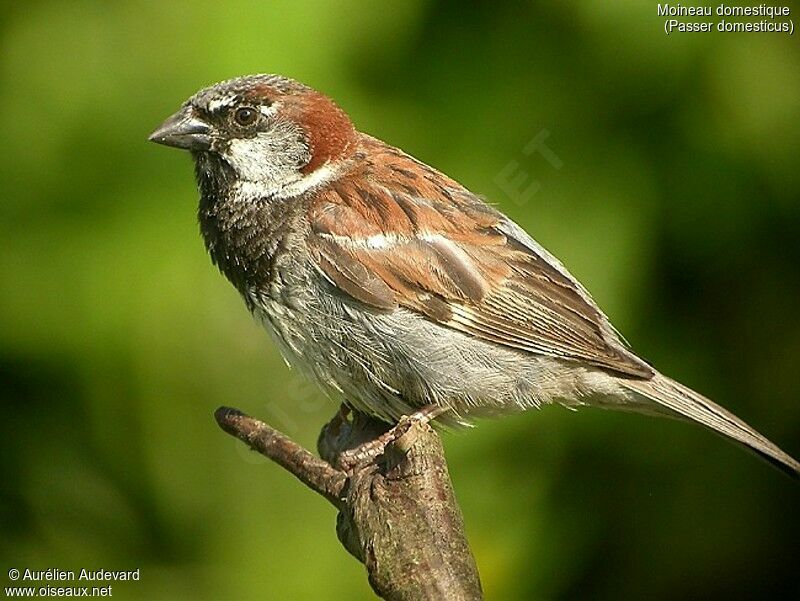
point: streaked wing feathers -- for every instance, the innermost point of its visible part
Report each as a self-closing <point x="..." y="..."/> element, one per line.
<point x="410" y="237"/>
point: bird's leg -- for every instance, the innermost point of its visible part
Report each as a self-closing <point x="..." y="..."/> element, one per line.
<point x="405" y="439"/>
<point x="400" y="438"/>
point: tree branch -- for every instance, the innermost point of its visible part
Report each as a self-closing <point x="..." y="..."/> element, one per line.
<point x="397" y="512"/>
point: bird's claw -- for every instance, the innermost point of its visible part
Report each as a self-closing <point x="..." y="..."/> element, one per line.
<point x="391" y="446"/>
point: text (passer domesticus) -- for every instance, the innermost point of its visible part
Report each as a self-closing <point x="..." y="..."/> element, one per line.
<point x="392" y="285"/>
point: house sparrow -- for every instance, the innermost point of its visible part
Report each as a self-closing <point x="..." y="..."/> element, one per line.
<point x="392" y="285"/>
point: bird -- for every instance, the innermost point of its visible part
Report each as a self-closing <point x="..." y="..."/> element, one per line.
<point x="394" y="287"/>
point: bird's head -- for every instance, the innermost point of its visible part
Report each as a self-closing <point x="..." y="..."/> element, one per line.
<point x="269" y="132"/>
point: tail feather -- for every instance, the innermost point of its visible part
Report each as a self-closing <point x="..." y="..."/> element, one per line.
<point x="679" y="401"/>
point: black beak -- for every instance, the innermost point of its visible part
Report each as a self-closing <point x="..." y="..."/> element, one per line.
<point x="183" y="130"/>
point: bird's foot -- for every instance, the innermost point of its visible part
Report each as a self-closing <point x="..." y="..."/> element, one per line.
<point x="393" y="444"/>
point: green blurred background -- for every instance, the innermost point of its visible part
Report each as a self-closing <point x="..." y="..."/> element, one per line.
<point x="677" y="202"/>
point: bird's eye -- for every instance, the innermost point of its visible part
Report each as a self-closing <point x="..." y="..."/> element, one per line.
<point x="245" y="115"/>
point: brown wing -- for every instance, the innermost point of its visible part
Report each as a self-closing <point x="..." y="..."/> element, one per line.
<point x="428" y="245"/>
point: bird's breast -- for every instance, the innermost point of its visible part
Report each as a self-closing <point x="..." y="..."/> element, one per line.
<point x="247" y="238"/>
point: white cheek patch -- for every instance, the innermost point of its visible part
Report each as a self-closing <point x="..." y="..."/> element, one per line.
<point x="251" y="158"/>
<point x="270" y="163"/>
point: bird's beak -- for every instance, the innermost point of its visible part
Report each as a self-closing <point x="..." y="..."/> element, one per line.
<point x="183" y="130"/>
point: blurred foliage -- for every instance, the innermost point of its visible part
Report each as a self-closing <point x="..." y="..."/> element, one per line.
<point x="677" y="204"/>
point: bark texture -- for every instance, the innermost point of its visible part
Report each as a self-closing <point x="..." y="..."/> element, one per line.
<point x="397" y="511"/>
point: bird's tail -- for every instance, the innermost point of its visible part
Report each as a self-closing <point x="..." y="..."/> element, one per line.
<point x="674" y="399"/>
